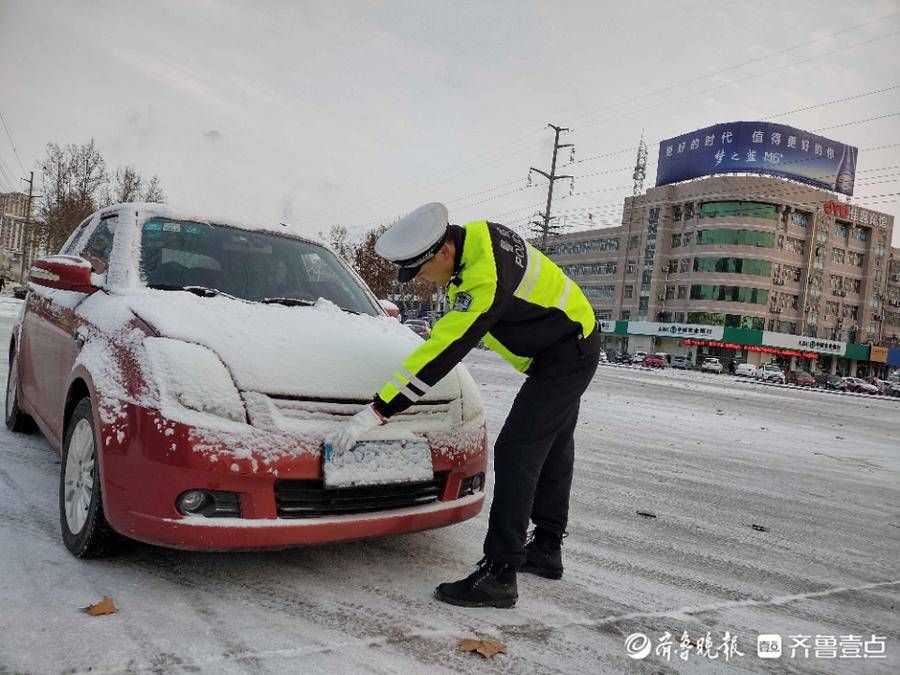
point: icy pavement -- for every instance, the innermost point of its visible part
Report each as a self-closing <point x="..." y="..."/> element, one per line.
<point x="709" y="458"/>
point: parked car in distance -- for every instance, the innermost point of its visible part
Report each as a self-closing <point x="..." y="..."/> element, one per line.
<point x="881" y="385"/>
<point x="681" y="362"/>
<point x="770" y="372"/>
<point x="711" y="364"/>
<point x="833" y="382"/>
<point x="189" y="371"/>
<point x="894" y="389"/>
<point x="804" y="379"/>
<point x="638" y="357"/>
<point x="859" y="386"/>
<point x="19" y="291"/>
<point x="654" y="361"/>
<point x="419" y="326"/>
<point x="745" y="370"/>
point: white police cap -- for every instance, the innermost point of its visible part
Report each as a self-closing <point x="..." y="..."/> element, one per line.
<point x="414" y="239"/>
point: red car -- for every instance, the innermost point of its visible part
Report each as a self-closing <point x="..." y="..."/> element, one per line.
<point x="651" y="361"/>
<point x="189" y="371"/>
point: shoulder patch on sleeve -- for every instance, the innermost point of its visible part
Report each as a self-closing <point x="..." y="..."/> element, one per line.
<point x="462" y="301"/>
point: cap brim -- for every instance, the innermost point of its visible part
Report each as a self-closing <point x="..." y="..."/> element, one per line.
<point x="408" y="273"/>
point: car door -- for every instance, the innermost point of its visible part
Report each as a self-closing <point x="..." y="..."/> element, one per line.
<point x="52" y="335"/>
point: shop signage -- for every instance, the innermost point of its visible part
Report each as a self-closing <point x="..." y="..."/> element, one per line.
<point x="878" y="354"/>
<point x="804" y="343"/>
<point x="676" y="330"/>
<point x="754" y="348"/>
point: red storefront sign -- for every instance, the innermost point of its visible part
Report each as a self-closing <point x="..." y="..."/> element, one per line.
<point x="753" y="348"/>
<point x="837" y="209"/>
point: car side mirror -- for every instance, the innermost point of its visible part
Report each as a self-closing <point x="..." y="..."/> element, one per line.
<point x="63" y="272"/>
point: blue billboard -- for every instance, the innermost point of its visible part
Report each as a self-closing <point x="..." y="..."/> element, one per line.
<point x="758" y="147"/>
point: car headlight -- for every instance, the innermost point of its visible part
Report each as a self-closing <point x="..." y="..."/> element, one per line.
<point x="191" y="376"/>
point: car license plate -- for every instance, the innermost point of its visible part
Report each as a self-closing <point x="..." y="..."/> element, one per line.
<point x="378" y="463"/>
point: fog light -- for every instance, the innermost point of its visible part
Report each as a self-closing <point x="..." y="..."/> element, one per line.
<point x="471" y="484"/>
<point x="191" y="502"/>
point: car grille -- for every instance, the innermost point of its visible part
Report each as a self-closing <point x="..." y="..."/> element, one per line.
<point x="310" y="498"/>
<point x="308" y="408"/>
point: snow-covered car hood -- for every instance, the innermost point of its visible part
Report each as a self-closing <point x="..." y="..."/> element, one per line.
<point x="318" y="352"/>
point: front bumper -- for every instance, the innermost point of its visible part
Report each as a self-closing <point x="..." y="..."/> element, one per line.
<point x="148" y="461"/>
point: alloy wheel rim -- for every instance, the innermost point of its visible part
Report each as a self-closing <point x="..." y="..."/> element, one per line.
<point x="79" y="479"/>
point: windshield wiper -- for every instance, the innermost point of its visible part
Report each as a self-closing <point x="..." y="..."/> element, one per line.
<point x="202" y="291"/>
<point x="288" y="302"/>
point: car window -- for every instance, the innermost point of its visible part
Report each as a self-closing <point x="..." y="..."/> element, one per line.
<point x="250" y="265"/>
<point x="71" y="245"/>
<point x="98" y="247"/>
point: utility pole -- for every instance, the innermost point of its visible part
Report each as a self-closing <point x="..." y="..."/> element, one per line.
<point x="545" y="227"/>
<point x="26" y="227"/>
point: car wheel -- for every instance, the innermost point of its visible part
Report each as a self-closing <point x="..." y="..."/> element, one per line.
<point x="85" y="531"/>
<point x="16" y="420"/>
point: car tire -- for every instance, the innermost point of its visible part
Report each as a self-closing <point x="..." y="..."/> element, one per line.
<point x="16" y="420"/>
<point x="85" y="531"/>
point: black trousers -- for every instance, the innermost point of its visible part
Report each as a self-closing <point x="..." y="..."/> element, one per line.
<point x="535" y="452"/>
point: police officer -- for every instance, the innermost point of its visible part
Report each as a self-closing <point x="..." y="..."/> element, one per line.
<point x="506" y="292"/>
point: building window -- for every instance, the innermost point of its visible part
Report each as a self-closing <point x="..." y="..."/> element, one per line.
<point x="599" y="292"/>
<point x="762" y="268"/>
<point x="861" y="233"/>
<point x="689" y="211"/>
<point x="603" y="314"/>
<point x="800" y="218"/>
<point x="670" y="291"/>
<point x="683" y="265"/>
<point x="837" y="255"/>
<point x="676" y="240"/>
<point x="682" y="292"/>
<point x="855" y="259"/>
<point x="687" y="238"/>
<point x="679" y="317"/>
<point x="794" y="245"/>
<point x="744" y="209"/>
<point x="634" y="241"/>
<point x="736" y="238"/>
<point x="756" y="296"/>
<point x="855" y="285"/>
<point x="831" y="309"/>
<point x="628" y="291"/>
<point x="841" y="230"/>
<point x="626" y="315"/>
<point x="643" y="303"/>
<point x="632" y="266"/>
<point x="729" y="320"/>
<point x="676" y="214"/>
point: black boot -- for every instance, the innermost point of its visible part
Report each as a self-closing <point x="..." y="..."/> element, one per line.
<point x="543" y="555"/>
<point x="490" y="585"/>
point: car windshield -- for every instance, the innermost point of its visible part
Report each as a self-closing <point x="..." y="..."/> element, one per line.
<point x="254" y="266"/>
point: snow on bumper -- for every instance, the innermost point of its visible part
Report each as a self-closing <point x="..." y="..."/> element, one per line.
<point x="148" y="461"/>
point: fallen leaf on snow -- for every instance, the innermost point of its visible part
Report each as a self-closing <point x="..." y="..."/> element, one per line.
<point x="646" y="514"/>
<point x="105" y="606"/>
<point x="487" y="648"/>
<point x="759" y="528"/>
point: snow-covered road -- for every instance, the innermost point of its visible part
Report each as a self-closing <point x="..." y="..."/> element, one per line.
<point x="710" y="458"/>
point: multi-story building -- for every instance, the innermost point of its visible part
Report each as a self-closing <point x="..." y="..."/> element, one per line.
<point x="747" y="267"/>
<point x="16" y="236"/>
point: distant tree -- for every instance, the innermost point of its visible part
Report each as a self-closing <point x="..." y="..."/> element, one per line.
<point x="76" y="183"/>
<point x="377" y="272"/>
<point x="74" y="178"/>
<point x="339" y="239"/>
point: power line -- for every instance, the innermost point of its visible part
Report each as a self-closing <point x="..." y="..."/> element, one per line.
<point x="736" y="66"/>
<point x="745" y="78"/>
<point x="423" y="180"/>
<point x="9" y="136"/>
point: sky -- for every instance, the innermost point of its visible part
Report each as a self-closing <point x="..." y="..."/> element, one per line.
<point x="354" y="113"/>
